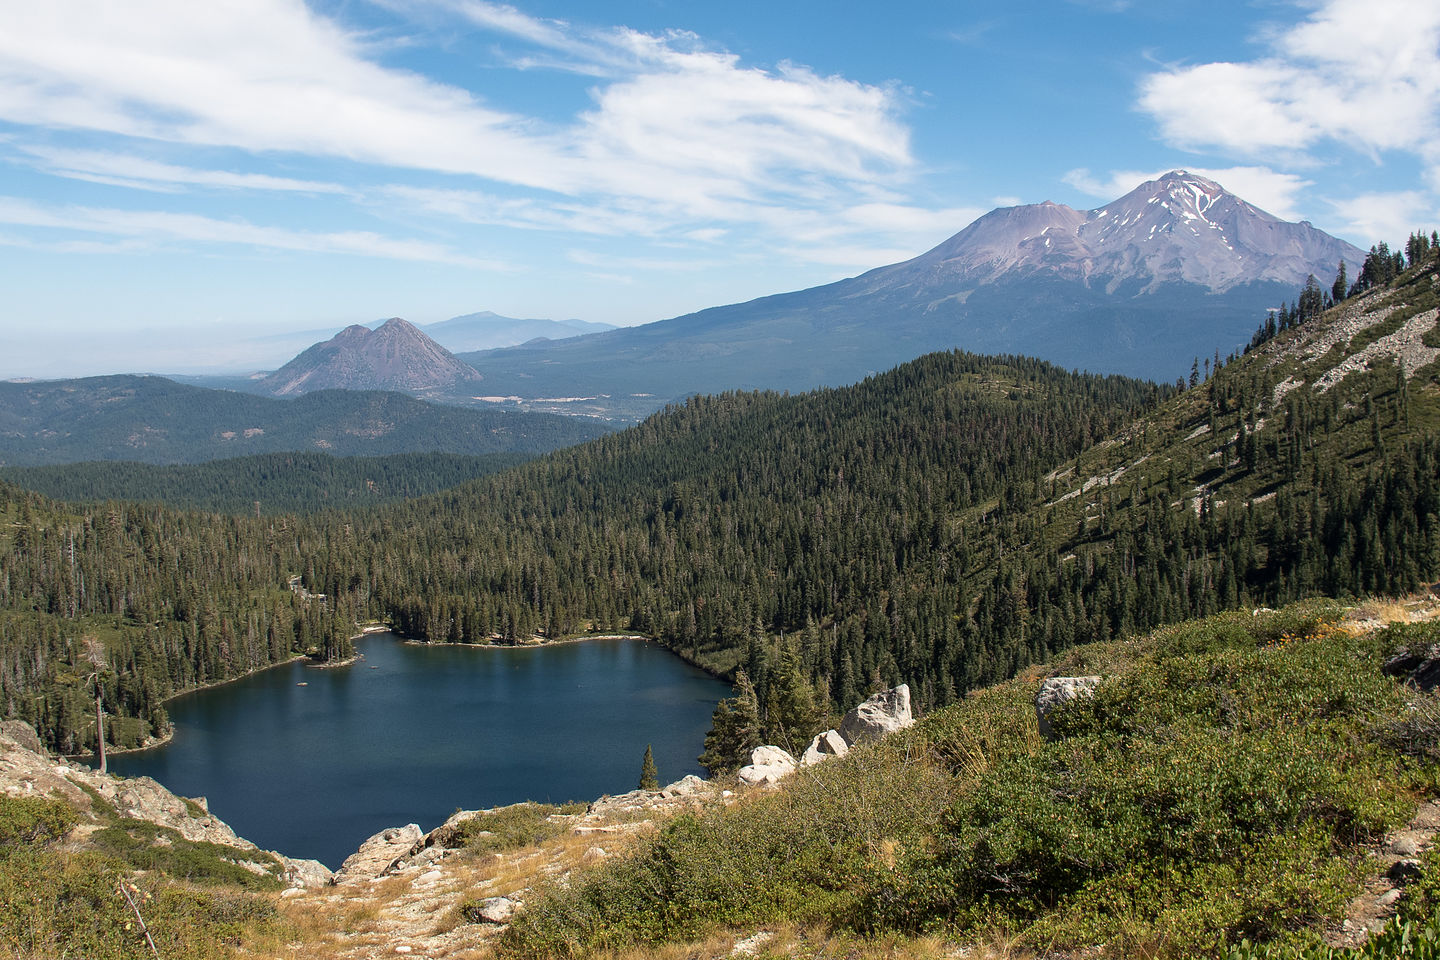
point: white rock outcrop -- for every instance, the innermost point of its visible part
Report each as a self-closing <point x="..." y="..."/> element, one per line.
<point x="825" y="745"/>
<point x="882" y="714"/>
<point x="687" y="786"/>
<point x="768" y="764"/>
<point x="307" y="874"/>
<point x="1058" y="690"/>
<point x="497" y="910"/>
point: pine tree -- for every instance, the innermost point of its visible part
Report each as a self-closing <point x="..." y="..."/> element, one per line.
<point x="1311" y="302"/>
<point x="649" y="777"/>
<point x="1339" y="289"/>
<point x="734" y="729"/>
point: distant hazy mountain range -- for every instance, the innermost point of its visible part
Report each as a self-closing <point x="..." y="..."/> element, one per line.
<point x="155" y="420"/>
<point x="487" y="331"/>
<point x="1174" y="270"/>
<point x="473" y="331"/>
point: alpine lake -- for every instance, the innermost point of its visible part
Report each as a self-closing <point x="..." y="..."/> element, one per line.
<point x="310" y="762"/>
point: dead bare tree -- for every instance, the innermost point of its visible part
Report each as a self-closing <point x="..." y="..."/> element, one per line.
<point x="95" y="653"/>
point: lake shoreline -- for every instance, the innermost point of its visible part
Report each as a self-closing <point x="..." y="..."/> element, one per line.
<point x="538" y="644"/>
<point x="309" y="770"/>
<point x="369" y="630"/>
<point x="153" y="742"/>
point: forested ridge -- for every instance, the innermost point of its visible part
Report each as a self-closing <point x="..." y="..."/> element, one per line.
<point x="940" y="524"/>
<point x="271" y="483"/>
<point x="712" y="525"/>
<point x="741" y="517"/>
<point x="175" y="599"/>
<point x="155" y="420"/>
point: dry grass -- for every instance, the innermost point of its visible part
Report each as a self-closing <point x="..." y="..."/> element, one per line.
<point x="370" y="920"/>
<point x="1386" y="610"/>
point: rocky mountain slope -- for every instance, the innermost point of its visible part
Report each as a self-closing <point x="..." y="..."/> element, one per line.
<point x="394" y="356"/>
<point x="1181" y="228"/>
<point x="1176" y="269"/>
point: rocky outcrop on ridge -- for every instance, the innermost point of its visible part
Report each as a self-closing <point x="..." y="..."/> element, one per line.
<point x="767" y="765"/>
<point x="379" y="854"/>
<point x="824" y="746"/>
<point x="26" y="771"/>
<point x="1057" y="691"/>
<point x="884" y="713"/>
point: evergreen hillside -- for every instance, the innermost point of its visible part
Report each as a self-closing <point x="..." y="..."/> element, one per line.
<point x="927" y="526"/>
<point x="154" y="420"/>
<point x="174" y="600"/>
<point x="739" y="517"/>
<point x="691" y="511"/>
<point x="271" y="483"/>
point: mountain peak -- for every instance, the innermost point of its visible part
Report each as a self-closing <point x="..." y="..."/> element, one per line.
<point x="1178" y="228"/>
<point x="396" y="355"/>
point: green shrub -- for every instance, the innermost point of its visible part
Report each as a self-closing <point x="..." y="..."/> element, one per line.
<point x="805" y="854"/>
<point x="1218" y="788"/>
<point x="55" y="903"/>
<point x="32" y="820"/>
<point x="508" y="828"/>
<point x="146" y="846"/>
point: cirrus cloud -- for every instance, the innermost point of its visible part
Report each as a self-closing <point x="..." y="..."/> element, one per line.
<point x="673" y="123"/>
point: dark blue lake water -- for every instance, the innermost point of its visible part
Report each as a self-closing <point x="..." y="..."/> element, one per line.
<point x="411" y="733"/>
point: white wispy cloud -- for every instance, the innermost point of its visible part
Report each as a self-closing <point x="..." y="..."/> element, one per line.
<point x="127" y="170"/>
<point x="1388" y="216"/>
<point x="160" y="227"/>
<point x="1364" y="74"/>
<point x="687" y="129"/>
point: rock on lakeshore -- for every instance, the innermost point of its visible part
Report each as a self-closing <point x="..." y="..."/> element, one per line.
<point x="27" y="771"/>
<point x="1058" y="690"/>
<point x="379" y="853"/>
<point x="883" y="713"/>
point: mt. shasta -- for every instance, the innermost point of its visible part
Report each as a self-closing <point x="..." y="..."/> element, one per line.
<point x="1176" y="269"/>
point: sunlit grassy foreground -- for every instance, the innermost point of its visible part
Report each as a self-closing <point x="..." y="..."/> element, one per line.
<point x="1221" y="786"/>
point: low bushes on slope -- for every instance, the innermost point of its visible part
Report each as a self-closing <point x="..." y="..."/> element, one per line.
<point x="61" y="902"/>
<point x="1220" y="786"/>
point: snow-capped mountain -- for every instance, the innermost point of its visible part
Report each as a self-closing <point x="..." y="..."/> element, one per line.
<point x="1180" y="228"/>
<point x="1174" y="270"/>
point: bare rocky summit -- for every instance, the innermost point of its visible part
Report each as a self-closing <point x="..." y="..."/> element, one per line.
<point x="1179" y="228"/>
<point x="394" y="356"/>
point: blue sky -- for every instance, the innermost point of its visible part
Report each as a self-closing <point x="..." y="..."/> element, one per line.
<point x="180" y="181"/>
